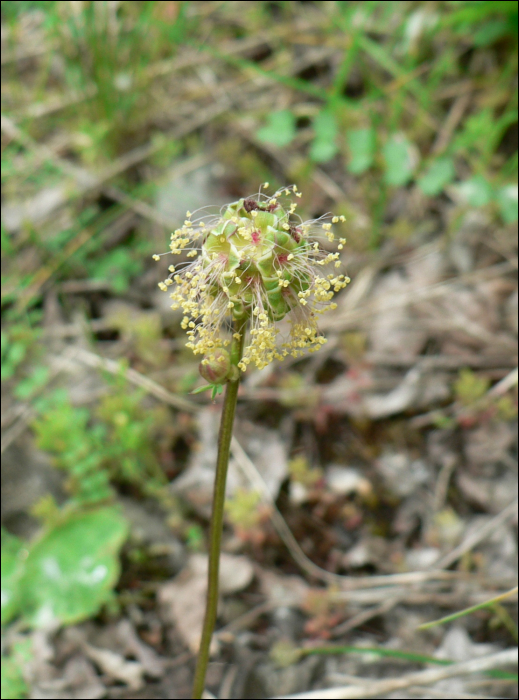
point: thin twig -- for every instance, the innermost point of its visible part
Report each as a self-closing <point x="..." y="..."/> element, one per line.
<point x="346" y="582"/>
<point x="92" y="360"/>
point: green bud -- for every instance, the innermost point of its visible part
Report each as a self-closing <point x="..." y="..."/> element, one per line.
<point x="216" y="367"/>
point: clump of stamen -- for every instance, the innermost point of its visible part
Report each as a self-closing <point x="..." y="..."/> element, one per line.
<point x="256" y="261"/>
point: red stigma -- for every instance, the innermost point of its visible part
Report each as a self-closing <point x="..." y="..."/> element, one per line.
<point x="256" y="236"/>
<point x="295" y="232"/>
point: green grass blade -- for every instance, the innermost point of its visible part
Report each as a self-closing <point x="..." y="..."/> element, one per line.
<point x="467" y="611"/>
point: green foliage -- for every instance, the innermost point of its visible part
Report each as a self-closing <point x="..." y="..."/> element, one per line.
<point x="399" y="159"/>
<point x="469" y="388"/>
<point x="439" y="174"/>
<point x="476" y="140"/>
<point x="68" y="572"/>
<point x="115" y="445"/>
<point x="194" y="536"/>
<point x="483" y="22"/>
<point x="18" y="344"/>
<point x="37" y="379"/>
<point x="324" y="145"/>
<point x="280" y="129"/>
<point x="7" y="246"/>
<point x="476" y="191"/>
<point x="506" y="198"/>
<point x="242" y="509"/>
<point x="506" y="408"/>
<point x="386" y="127"/>
<point x="13" y="682"/>
<point x="474" y="608"/>
<point x="63" y="431"/>
<point x="361" y="144"/>
<point x="117" y="267"/>
<point x="215" y="390"/>
<point x="108" y="48"/>
<point x="15" y="8"/>
<point x="301" y="471"/>
<point x="142" y="330"/>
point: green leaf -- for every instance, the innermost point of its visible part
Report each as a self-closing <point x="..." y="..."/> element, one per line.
<point x="400" y="160"/>
<point x="36" y="380"/>
<point x="322" y="151"/>
<point x="199" y="389"/>
<point x="491" y="32"/>
<point x="12" y="354"/>
<point x="117" y="267"/>
<point x="439" y="174"/>
<point x="13" y="683"/>
<point x="217" y="389"/>
<point x="71" y="570"/>
<point x="11" y="547"/>
<point x="325" y="126"/>
<point x="323" y="147"/>
<point x="280" y="128"/>
<point x="476" y="191"/>
<point x="506" y="198"/>
<point x="361" y="143"/>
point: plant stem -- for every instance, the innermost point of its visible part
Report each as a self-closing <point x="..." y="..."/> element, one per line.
<point x="215" y="532"/>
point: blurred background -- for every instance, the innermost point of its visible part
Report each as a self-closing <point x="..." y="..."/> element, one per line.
<point x="392" y="450"/>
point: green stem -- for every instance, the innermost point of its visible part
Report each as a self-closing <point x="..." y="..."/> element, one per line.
<point x="215" y="533"/>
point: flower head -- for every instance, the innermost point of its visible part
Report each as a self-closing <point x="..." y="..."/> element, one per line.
<point x="254" y="261"/>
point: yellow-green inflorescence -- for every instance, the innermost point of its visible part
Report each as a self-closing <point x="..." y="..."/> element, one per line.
<point x="254" y="261"/>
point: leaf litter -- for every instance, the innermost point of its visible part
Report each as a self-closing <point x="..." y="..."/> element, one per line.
<point x="406" y="460"/>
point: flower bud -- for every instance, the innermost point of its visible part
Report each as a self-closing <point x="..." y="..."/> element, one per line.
<point x="216" y="367"/>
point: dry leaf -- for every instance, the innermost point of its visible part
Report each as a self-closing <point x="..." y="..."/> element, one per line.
<point x="183" y="599"/>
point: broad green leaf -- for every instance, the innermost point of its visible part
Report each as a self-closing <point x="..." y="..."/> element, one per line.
<point x="506" y="198"/>
<point x="439" y="174"/>
<point x="400" y="160"/>
<point x="322" y="151"/>
<point x="361" y="143"/>
<point x="323" y="147"/>
<point x="280" y="128"/>
<point x="476" y="191"/>
<point x="325" y="126"/>
<point x="11" y="568"/>
<point x="72" y="569"/>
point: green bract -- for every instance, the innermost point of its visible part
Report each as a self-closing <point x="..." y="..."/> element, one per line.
<point x="255" y="245"/>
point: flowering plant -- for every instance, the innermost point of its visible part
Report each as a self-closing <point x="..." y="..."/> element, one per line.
<point x="254" y="261"/>
<point x="248" y="270"/>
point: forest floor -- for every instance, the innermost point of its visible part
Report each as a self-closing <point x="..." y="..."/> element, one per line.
<point x="373" y="485"/>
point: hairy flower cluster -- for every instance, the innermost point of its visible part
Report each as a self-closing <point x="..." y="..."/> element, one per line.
<point x="254" y="261"/>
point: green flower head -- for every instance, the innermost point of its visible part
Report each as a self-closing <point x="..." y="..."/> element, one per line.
<point x="255" y="260"/>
